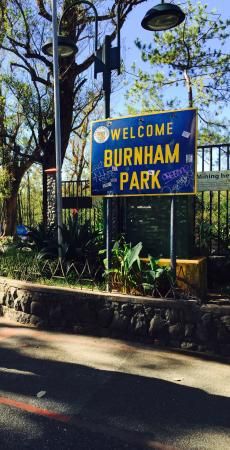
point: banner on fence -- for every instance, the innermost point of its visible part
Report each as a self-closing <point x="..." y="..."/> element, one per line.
<point x="218" y="180"/>
<point x="150" y="154"/>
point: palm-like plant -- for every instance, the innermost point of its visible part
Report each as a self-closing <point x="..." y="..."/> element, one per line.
<point x="126" y="265"/>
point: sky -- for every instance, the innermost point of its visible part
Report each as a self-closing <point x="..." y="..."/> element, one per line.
<point x="132" y="30"/>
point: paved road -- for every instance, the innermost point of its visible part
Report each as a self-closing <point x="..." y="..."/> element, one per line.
<point x="102" y="394"/>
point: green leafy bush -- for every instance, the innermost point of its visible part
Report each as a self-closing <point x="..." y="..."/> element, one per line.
<point x="156" y="278"/>
<point x="130" y="274"/>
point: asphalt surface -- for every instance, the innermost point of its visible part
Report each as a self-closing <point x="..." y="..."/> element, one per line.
<point x="61" y="391"/>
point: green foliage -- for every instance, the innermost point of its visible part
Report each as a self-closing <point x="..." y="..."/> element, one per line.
<point x="132" y="275"/>
<point x="212" y="135"/>
<point x="5" y="183"/>
<point x="29" y="211"/>
<point x="156" y="278"/>
<point x="192" y="55"/>
<point x="37" y="260"/>
<point x="79" y="241"/>
<point x="126" y="265"/>
<point x="20" y="264"/>
<point x="204" y="234"/>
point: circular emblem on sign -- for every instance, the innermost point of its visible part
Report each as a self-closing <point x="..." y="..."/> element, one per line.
<point x="101" y="134"/>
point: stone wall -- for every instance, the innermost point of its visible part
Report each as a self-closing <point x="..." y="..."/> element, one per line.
<point x="177" y="323"/>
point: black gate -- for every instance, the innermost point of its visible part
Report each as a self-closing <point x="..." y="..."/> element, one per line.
<point x="76" y="199"/>
<point x="212" y="206"/>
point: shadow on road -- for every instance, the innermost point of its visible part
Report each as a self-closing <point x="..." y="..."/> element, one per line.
<point x="117" y="401"/>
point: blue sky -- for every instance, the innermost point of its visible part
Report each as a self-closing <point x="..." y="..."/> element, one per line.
<point x="132" y="30"/>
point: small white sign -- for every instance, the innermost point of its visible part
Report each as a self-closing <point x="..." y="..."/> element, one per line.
<point x="186" y="134"/>
<point x="189" y="158"/>
<point x="213" y="181"/>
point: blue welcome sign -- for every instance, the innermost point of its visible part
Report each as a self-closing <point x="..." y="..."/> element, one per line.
<point x="150" y="154"/>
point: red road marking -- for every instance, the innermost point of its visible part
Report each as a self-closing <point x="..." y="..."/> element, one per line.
<point x="7" y="333"/>
<point x="34" y="409"/>
<point x="127" y="436"/>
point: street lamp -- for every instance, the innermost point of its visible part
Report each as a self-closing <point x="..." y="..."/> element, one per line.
<point x="66" y="47"/>
<point x="160" y="18"/>
<point x="107" y="58"/>
<point x="61" y="47"/>
<point x="163" y="17"/>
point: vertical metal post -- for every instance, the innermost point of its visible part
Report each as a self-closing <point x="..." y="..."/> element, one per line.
<point x="211" y="194"/>
<point x="173" y="237"/>
<point x="107" y="92"/>
<point x="227" y="197"/>
<point x="57" y="127"/>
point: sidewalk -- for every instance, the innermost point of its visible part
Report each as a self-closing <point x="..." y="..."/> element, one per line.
<point x="61" y="391"/>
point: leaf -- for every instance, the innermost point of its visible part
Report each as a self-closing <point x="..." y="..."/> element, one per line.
<point x="134" y="254"/>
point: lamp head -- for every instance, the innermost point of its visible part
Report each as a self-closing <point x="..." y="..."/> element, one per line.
<point x="163" y="17"/>
<point x="66" y="47"/>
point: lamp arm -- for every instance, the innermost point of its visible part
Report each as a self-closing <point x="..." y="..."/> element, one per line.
<point x="86" y="2"/>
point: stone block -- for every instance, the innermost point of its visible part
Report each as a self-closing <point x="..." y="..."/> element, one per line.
<point x="225" y="320"/>
<point x="149" y="312"/>
<point x="140" y="327"/>
<point x="158" y="327"/>
<point x="25" y="301"/>
<point x="105" y="317"/>
<point x="188" y="345"/>
<point x="176" y="331"/>
<point x="13" y="292"/>
<point x="87" y="314"/>
<point x="119" y="323"/>
<point x="172" y="316"/>
<point x="225" y="349"/>
<point x="37" y="309"/>
<point x="17" y="305"/>
<point x="127" y="309"/>
<point x="223" y="335"/>
<point x="189" y="330"/>
<point x="34" y="320"/>
<point x="9" y="302"/>
<point x="55" y="315"/>
<point x="2" y="297"/>
<point x="201" y="333"/>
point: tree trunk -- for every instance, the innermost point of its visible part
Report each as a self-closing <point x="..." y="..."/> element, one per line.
<point x="10" y="214"/>
<point x="189" y="88"/>
<point x="10" y="204"/>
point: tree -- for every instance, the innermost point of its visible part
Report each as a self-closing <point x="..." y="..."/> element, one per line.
<point x="191" y="55"/>
<point x="30" y="198"/>
<point x="76" y="161"/>
<point x="25" y="26"/>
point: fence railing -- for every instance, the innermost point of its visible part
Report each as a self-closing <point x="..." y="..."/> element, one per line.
<point x="212" y="206"/>
<point x="77" y="200"/>
<point x="212" y="217"/>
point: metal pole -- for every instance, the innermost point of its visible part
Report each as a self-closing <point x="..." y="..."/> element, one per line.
<point x="107" y="92"/>
<point x="173" y="237"/>
<point x="57" y="127"/>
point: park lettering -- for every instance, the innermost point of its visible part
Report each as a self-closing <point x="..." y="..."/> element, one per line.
<point x="138" y="156"/>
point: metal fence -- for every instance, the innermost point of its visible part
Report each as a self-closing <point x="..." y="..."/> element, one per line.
<point x="212" y="218"/>
<point x="212" y="206"/>
<point x="77" y="200"/>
